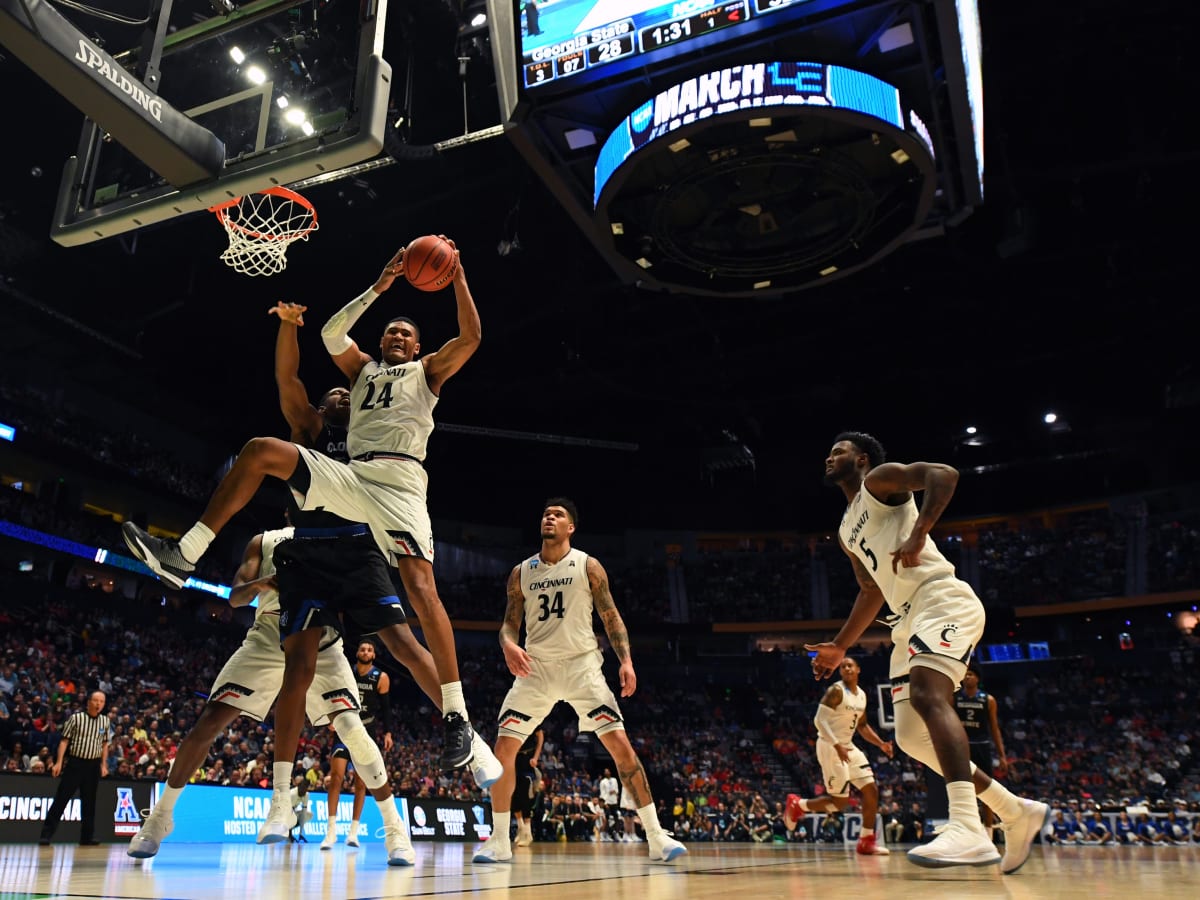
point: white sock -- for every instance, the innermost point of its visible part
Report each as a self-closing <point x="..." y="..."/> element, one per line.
<point x="353" y="832"/>
<point x="331" y="828"/>
<point x="500" y="823"/>
<point x="282" y="772"/>
<point x="963" y="807"/>
<point x="453" y="701"/>
<point x="387" y="809"/>
<point x="867" y="832"/>
<point x="649" y="817"/>
<point x="193" y="544"/>
<point x="804" y="805"/>
<point x="1001" y="801"/>
<point x="166" y="802"/>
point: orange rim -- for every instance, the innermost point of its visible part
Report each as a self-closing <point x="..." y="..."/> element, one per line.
<point x="220" y="211"/>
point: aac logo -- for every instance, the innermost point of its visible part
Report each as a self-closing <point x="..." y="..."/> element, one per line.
<point x="478" y="811"/>
<point x="419" y="816"/>
<point x="126" y="809"/>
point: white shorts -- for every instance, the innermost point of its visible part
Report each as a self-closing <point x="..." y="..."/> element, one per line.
<point x="840" y="775"/>
<point x="250" y="680"/>
<point x="577" y="680"/>
<point x="941" y="629"/>
<point x="386" y="494"/>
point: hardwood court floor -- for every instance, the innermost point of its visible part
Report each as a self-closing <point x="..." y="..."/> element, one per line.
<point x="582" y="872"/>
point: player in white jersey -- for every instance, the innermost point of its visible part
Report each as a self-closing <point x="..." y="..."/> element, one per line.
<point x="937" y="622"/>
<point x="555" y="593"/>
<point x="383" y="486"/>
<point x="247" y="685"/>
<point x="841" y="713"/>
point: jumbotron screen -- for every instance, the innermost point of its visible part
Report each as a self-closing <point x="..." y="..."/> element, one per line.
<point x="564" y="40"/>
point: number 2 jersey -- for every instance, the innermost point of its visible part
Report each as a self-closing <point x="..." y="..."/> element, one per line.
<point x="558" y="607"/>
<point x="391" y="410"/>
<point x="872" y="530"/>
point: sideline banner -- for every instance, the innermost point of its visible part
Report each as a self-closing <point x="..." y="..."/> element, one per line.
<point x="209" y="814"/>
<point x="25" y="800"/>
<point x="448" y="820"/>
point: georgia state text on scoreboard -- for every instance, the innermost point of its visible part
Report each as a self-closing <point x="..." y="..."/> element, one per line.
<point x="577" y="37"/>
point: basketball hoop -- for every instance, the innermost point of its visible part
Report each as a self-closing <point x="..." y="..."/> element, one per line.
<point x="261" y="226"/>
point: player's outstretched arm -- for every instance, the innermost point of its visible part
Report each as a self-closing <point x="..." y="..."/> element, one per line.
<point x="867" y="605"/>
<point x="510" y="629"/>
<point x="452" y="355"/>
<point x="614" y="625"/>
<point x="302" y="419"/>
<point x="247" y="583"/>
<point x="336" y="332"/>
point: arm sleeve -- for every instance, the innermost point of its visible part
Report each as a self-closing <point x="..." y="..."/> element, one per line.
<point x="824" y="723"/>
<point x="385" y="713"/>
<point x="335" y="333"/>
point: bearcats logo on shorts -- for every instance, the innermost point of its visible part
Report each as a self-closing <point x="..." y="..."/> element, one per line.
<point x="512" y="717"/>
<point x="342" y="697"/>
<point x="604" y="715"/>
<point x="230" y="689"/>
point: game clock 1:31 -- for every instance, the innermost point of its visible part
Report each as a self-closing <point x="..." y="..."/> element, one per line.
<point x="693" y="26"/>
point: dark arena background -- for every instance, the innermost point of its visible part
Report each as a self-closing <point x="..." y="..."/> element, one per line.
<point x="703" y="238"/>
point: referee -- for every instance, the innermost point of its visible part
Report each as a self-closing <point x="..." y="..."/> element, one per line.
<point x="84" y="742"/>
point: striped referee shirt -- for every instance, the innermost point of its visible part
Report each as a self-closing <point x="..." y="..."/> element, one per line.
<point x="87" y="735"/>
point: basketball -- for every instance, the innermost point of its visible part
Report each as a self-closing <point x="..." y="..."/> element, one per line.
<point x="429" y="263"/>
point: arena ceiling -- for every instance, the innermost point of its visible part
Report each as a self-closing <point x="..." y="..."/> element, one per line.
<point x="1067" y="291"/>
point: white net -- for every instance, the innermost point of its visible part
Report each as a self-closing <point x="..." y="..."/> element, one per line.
<point x="262" y="226"/>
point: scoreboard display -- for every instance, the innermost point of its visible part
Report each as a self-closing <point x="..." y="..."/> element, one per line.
<point x="563" y="39"/>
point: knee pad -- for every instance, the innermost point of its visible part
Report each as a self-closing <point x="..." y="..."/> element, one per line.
<point x="368" y="761"/>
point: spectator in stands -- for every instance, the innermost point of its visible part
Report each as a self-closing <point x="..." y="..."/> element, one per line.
<point x="1063" y="830"/>
<point x="1095" y="830"/>
<point x="1146" y="832"/>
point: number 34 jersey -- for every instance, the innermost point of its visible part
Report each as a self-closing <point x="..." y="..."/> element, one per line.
<point x="558" y="607"/>
<point x="872" y="530"/>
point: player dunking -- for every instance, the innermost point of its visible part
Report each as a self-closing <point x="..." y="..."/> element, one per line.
<point x="936" y="623"/>
<point x="324" y="429"/>
<point x="247" y="685"/>
<point x="841" y="713"/>
<point x="384" y="484"/>
<point x="555" y="593"/>
<point x="374" y="694"/>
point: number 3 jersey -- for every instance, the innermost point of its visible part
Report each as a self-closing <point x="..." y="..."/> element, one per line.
<point x="847" y="714"/>
<point x="391" y="410"/>
<point x="872" y="530"/>
<point x="558" y="607"/>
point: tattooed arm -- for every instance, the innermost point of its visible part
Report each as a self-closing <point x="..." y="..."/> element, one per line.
<point x="510" y="629"/>
<point x="614" y="627"/>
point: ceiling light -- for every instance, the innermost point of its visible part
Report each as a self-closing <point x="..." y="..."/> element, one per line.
<point x="307" y="128"/>
<point x="478" y="19"/>
<point x="971" y="429"/>
<point x="282" y="101"/>
<point x="896" y="37"/>
<point x="256" y="75"/>
<point x="295" y="115"/>
<point x="578" y="138"/>
<point x="1050" y="418"/>
<point x="236" y="54"/>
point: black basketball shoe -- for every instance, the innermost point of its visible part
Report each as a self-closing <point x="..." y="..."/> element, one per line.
<point x="458" y="750"/>
<point x="163" y="557"/>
